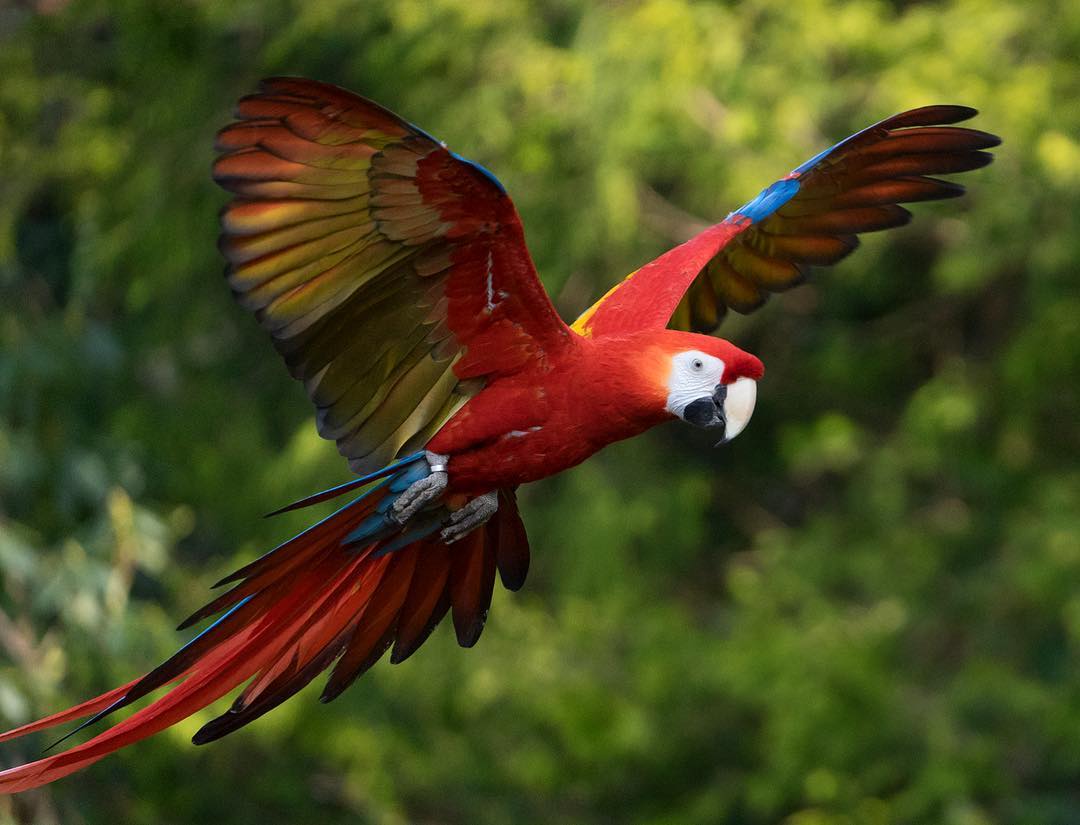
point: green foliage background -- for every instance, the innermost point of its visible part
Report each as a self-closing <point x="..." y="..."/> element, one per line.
<point x="866" y="610"/>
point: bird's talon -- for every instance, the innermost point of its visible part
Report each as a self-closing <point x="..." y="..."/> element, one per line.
<point x="463" y="521"/>
<point x="421" y="492"/>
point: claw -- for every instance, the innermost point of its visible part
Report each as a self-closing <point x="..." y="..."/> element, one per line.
<point x="469" y="517"/>
<point x="422" y="492"/>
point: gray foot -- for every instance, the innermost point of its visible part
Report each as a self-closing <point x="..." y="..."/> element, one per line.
<point x="421" y="493"/>
<point x="471" y="516"/>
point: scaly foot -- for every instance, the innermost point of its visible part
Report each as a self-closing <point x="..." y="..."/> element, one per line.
<point x="471" y="516"/>
<point x="421" y="493"/>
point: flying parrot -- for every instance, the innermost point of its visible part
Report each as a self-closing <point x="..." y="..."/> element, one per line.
<point x="393" y="277"/>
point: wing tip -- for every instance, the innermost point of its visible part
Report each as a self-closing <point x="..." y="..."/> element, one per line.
<point x="934" y="114"/>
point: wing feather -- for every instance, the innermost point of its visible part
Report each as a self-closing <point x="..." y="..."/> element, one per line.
<point x="354" y="237"/>
<point x="812" y="217"/>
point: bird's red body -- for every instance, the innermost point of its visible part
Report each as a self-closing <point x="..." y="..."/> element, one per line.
<point x="538" y="423"/>
<point x="393" y="277"/>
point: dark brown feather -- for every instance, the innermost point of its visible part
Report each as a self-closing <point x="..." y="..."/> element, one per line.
<point x="472" y="578"/>
<point x="510" y="541"/>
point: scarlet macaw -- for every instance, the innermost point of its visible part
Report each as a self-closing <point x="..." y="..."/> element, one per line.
<point x="393" y="277"/>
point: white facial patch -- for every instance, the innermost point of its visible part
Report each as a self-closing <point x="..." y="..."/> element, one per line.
<point x="693" y="375"/>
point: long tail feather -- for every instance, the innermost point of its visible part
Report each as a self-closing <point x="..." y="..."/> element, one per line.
<point x="315" y="600"/>
<point x="348" y="486"/>
<point x="87" y="708"/>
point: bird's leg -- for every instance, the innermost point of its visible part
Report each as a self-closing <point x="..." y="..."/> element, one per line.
<point x="466" y="519"/>
<point x="422" y="492"/>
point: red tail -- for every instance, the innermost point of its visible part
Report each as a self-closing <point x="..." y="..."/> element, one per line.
<point x="314" y="599"/>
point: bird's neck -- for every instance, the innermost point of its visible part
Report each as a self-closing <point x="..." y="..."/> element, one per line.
<point x="623" y="382"/>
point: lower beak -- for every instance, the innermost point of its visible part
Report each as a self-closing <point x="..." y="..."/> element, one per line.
<point x="727" y="410"/>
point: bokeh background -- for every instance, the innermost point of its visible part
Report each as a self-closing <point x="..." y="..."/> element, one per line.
<point x="866" y="610"/>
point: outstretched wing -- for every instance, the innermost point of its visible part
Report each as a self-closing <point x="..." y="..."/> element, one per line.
<point x="811" y="217"/>
<point x="387" y="269"/>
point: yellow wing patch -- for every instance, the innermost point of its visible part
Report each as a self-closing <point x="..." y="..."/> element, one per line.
<point x="581" y="325"/>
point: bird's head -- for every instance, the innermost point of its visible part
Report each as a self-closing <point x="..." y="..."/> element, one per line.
<point x="710" y="383"/>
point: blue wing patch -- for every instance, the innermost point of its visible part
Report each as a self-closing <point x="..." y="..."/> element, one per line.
<point x="769" y="200"/>
<point x="483" y="170"/>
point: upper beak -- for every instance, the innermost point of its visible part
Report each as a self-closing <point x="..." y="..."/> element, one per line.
<point x="735" y="402"/>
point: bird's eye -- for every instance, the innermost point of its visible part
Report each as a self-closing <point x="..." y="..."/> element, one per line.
<point x="697" y="365"/>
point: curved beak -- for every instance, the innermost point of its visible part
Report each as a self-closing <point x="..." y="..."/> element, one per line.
<point x="738" y="407"/>
<point x="727" y="410"/>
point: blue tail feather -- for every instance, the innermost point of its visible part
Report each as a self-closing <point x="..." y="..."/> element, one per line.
<point x="379" y="526"/>
<point x="341" y="489"/>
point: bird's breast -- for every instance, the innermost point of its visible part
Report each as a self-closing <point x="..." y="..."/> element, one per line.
<point x="581" y="417"/>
